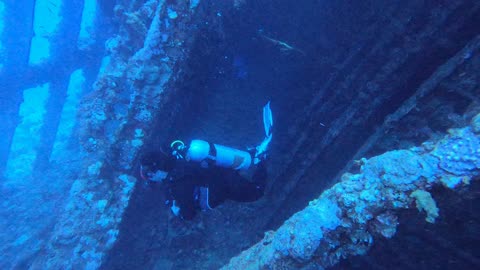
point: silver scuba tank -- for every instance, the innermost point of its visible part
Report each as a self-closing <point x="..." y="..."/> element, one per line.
<point x="223" y="156"/>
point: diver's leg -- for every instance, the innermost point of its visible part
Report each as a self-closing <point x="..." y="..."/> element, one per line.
<point x="260" y="176"/>
<point x="242" y="190"/>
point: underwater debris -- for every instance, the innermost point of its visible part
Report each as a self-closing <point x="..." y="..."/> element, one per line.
<point x="345" y="218"/>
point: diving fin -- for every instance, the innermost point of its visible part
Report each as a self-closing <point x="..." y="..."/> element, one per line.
<point x="267" y="119"/>
<point x="261" y="149"/>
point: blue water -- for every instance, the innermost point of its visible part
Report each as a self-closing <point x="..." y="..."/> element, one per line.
<point x="87" y="86"/>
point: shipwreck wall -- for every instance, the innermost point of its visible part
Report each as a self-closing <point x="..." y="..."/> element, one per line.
<point x="85" y="89"/>
<point x="352" y="67"/>
<point x="39" y="94"/>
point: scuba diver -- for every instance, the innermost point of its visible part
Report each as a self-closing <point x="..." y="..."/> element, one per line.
<point x="202" y="175"/>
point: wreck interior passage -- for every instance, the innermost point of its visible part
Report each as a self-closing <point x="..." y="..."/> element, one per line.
<point x="375" y="144"/>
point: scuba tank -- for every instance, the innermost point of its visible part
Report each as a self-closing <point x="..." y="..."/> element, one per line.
<point x="208" y="154"/>
<point x="218" y="155"/>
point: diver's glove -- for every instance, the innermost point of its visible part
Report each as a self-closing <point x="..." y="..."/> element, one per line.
<point x="261" y="150"/>
<point x="152" y="175"/>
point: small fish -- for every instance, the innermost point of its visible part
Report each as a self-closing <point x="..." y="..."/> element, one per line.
<point x="283" y="45"/>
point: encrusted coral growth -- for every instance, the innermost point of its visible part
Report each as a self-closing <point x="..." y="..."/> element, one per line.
<point x="131" y="83"/>
<point x="426" y="203"/>
<point x="129" y="88"/>
<point x="344" y="220"/>
<point x="124" y="101"/>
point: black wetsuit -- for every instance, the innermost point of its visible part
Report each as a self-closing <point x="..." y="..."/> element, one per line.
<point x="193" y="188"/>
